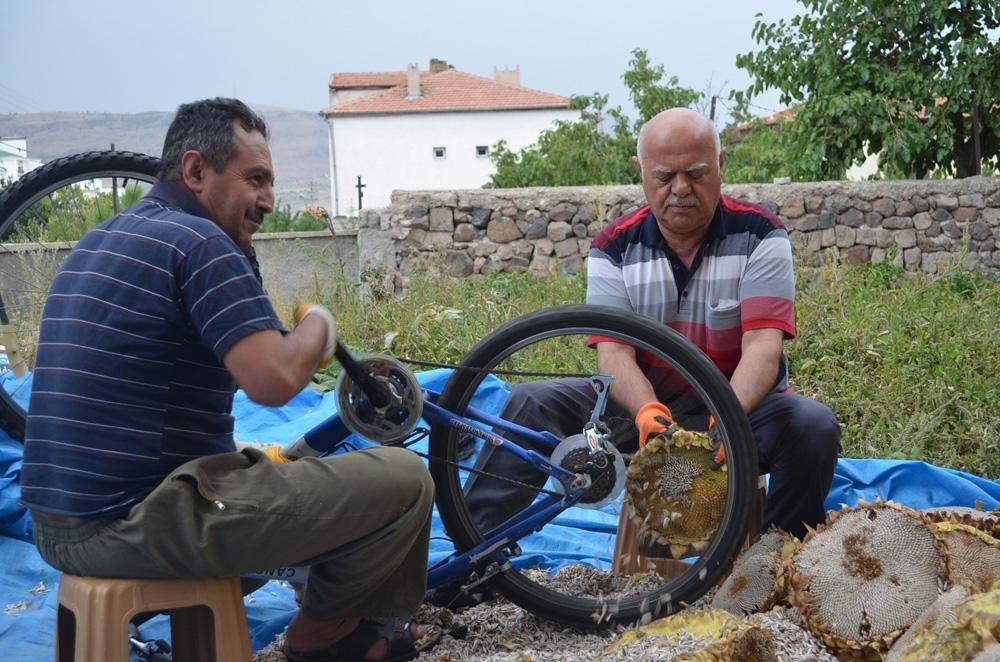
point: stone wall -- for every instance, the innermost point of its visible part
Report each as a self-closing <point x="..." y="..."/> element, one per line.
<point x="301" y="266"/>
<point x="549" y="229"/>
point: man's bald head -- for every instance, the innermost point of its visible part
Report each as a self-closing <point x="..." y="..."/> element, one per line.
<point x="682" y="119"/>
<point x="681" y="162"/>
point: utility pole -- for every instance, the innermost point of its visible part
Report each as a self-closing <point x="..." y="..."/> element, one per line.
<point x="361" y="193"/>
<point x="114" y="188"/>
<point x="711" y="113"/>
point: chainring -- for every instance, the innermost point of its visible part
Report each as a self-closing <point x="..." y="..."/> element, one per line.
<point x="607" y="482"/>
<point x="384" y="425"/>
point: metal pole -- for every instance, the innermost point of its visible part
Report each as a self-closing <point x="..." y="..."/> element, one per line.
<point x="114" y="188"/>
<point x="711" y="114"/>
<point x="334" y="190"/>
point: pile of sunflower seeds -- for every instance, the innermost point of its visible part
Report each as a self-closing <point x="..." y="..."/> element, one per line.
<point x="500" y="631"/>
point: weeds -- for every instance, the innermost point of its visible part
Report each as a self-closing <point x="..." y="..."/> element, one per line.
<point x="908" y="363"/>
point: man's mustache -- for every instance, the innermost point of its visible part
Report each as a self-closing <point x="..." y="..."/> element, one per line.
<point x="686" y="201"/>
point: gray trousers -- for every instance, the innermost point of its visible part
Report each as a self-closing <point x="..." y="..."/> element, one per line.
<point x="798" y="440"/>
<point x="360" y="520"/>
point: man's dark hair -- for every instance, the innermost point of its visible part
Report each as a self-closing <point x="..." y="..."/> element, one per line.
<point x="206" y="126"/>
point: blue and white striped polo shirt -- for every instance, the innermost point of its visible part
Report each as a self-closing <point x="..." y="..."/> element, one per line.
<point x="741" y="279"/>
<point x="129" y="382"/>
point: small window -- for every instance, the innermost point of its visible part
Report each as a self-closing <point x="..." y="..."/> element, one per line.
<point x="440" y="153"/>
<point x="482" y="151"/>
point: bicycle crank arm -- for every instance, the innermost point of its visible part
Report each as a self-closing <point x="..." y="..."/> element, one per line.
<point x="377" y="394"/>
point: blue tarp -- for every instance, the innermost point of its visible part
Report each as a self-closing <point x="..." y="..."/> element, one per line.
<point x="28" y="586"/>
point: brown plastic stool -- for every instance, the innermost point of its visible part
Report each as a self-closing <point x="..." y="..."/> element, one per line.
<point x="633" y="556"/>
<point x="207" y="621"/>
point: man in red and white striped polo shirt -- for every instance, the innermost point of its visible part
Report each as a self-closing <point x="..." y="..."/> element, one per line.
<point x="720" y="272"/>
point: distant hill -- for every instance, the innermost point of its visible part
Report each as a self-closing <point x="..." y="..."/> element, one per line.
<point x="298" y="143"/>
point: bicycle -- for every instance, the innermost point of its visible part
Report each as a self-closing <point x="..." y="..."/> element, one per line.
<point x="380" y="400"/>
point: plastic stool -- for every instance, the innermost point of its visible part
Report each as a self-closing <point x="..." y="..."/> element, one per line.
<point x="632" y="556"/>
<point x="207" y="621"/>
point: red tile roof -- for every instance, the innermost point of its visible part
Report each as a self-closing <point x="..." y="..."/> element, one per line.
<point x="370" y="79"/>
<point x="449" y="90"/>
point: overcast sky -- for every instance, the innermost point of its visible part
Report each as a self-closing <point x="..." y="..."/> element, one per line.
<point x="137" y="55"/>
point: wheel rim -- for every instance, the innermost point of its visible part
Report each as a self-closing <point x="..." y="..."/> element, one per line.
<point x="524" y="587"/>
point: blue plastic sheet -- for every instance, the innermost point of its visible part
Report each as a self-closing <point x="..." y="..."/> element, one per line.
<point x="28" y="586"/>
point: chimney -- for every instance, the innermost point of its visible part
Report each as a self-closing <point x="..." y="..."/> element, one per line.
<point x="509" y="76"/>
<point x="413" y="82"/>
<point x="437" y="66"/>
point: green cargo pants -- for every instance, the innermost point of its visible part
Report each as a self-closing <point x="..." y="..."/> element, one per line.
<point x="360" y="520"/>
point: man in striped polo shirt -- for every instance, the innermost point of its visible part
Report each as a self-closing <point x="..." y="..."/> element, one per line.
<point x="130" y="467"/>
<point x="717" y="270"/>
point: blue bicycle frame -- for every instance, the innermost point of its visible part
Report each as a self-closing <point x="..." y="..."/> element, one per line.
<point x="332" y="435"/>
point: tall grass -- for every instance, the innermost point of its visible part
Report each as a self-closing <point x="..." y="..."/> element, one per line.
<point x="910" y="363"/>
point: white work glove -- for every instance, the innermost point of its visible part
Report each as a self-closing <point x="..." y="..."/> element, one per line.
<point x="303" y="311"/>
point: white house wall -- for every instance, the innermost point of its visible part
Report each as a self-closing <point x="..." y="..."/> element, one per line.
<point x="396" y="151"/>
<point x="14" y="160"/>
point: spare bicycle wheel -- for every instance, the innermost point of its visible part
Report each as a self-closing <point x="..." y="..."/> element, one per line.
<point x="41" y="217"/>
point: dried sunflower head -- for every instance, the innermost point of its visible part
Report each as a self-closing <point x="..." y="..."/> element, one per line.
<point x="973" y="555"/>
<point x="972" y="634"/>
<point x="770" y="541"/>
<point x="676" y="497"/>
<point x="862" y="578"/>
<point x="940" y="614"/>
<point x="986" y="521"/>
<point x="740" y="641"/>
<point x="750" y="587"/>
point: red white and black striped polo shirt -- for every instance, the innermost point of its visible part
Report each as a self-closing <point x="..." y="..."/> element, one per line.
<point x="741" y="279"/>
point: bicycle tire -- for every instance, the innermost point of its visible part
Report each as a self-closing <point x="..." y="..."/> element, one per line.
<point x="685" y="356"/>
<point x="17" y="199"/>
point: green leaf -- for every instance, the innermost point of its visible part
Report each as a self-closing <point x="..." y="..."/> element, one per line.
<point x="848" y="62"/>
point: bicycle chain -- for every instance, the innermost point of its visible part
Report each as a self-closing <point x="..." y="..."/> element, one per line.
<point x="519" y="373"/>
<point x="480" y="472"/>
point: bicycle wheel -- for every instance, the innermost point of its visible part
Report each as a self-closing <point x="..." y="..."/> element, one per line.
<point x="550" y="343"/>
<point x="41" y="216"/>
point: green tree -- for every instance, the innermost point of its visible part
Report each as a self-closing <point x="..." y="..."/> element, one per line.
<point x="907" y="79"/>
<point x="757" y="154"/>
<point x="574" y="153"/>
<point x="283" y="219"/>
<point x="598" y="148"/>
<point x="651" y="90"/>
